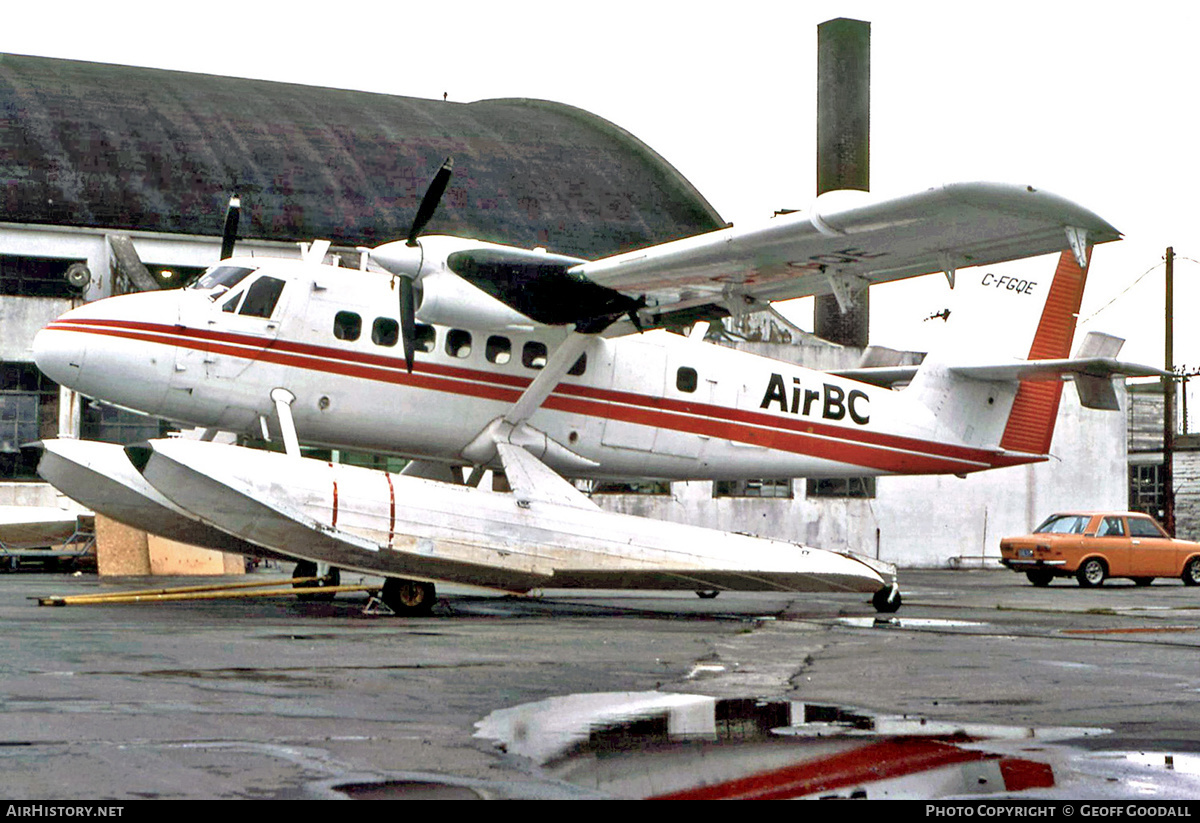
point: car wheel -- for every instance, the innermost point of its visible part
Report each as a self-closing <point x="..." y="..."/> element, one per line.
<point x="1091" y="573"/>
<point x="1191" y="572"/>
<point x="1143" y="581"/>
<point x="1039" y="577"/>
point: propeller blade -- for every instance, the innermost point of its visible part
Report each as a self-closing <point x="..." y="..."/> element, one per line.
<point x="429" y="203"/>
<point x="408" y="320"/>
<point x="229" y="232"/>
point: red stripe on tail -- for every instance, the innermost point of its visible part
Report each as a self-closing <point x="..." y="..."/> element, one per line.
<point x="1031" y="421"/>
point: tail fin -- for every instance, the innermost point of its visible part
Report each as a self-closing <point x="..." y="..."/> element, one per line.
<point x="981" y="389"/>
<point x="1013" y="405"/>
<point x="1030" y="425"/>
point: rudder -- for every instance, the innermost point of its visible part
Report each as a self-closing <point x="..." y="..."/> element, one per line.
<point x="1030" y="426"/>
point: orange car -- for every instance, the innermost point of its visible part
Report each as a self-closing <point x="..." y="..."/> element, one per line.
<point x="1094" y="546"/>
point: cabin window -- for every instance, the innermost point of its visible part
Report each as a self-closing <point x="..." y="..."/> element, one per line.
<point x="533" y="355"/>
<point x="424" y="338"/>
<point x="385" y="331"/>
<point x="580" y="366"/>
<point x="498" y="350"/>
<point x="753" y="488"/>
<point x="347" y="325"/>
<point x="686" y="379"/>
<point x="261" y="297"/>
<point x="230" y="305"/>
<point x="458" y="343"/>
<point x="859" y="487"/>
<point x="1111" y="527"/>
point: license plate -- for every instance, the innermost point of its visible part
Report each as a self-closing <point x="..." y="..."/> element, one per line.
<point x="1024" y="552"/>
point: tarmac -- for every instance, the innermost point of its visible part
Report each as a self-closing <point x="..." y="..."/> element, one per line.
<point x="281" y="698"/>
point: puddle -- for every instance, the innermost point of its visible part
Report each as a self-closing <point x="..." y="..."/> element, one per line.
<point x="682" y="746"/>
<point x="906" y="623"/>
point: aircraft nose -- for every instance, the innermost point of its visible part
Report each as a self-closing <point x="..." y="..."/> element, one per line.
<point x="59" y="354"/>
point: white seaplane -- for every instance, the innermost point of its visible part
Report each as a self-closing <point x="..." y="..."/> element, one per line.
<point x="465" y="355"/>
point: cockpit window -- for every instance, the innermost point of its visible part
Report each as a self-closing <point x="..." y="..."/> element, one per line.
<point x="226" y="276"/>
<point x="262" y="296"/>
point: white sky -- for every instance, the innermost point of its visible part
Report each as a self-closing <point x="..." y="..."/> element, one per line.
<point x="1092" y="102"/>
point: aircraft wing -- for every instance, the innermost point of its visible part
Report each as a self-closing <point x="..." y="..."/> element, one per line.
<point x="850" y="239"/>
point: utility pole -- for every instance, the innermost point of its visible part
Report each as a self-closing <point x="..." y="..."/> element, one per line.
<point x="1169" y="400"/>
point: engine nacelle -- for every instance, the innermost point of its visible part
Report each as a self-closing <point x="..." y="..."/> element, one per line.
<point x="448" y="300"/>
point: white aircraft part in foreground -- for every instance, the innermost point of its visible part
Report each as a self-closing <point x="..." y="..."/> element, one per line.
<point x="545" y="534"/>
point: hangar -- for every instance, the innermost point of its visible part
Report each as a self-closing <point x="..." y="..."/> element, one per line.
<point x="100" y="160"/>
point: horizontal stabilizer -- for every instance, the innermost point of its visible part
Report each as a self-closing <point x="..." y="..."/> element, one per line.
<point x="1092" y="368"/>
<point x="1057" y="369"/>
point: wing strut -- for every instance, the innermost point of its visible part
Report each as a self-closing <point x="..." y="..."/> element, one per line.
<point x="283" y="399"/>
<point x="513" y="428"/>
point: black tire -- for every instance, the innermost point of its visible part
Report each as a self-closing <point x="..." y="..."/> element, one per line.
<point x="306" y="568"/>
<point x="887" y="599"/>
<point x="1091" y="573"/>
<point x="709" y="595"/>
<point x="1191" y="572"/>
<point x="409" y="598"/>
<point x="1143" y="581"/>
<point x="1040" y="577"/>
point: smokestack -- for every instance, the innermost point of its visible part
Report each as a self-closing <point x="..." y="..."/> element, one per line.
<point x="843" y="150"/>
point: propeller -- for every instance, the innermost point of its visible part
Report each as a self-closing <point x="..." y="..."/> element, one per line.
<point x="429" y="203"/>
<point x="408" y="303"/>
<point x="229" y="232"/>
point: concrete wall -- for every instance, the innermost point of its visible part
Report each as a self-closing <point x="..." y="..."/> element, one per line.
<point x="18" y="493"/>
<point x="23" y="317"/>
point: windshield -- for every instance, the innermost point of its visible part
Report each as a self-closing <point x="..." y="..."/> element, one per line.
<point x="225" y="277"/>
<point x="1064" y="524"/>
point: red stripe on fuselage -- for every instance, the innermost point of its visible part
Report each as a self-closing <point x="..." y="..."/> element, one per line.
<point x="885" y="452"/>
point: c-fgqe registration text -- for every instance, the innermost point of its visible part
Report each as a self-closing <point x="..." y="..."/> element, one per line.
<point x="48" y="810"/>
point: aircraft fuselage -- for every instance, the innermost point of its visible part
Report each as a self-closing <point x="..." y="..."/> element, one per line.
<point x="653" y="405"/>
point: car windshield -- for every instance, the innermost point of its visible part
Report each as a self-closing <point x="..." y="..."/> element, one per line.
<point x="1064" y="524"/>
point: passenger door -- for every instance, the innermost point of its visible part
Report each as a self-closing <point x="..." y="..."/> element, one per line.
<point x="1152" y="552"/>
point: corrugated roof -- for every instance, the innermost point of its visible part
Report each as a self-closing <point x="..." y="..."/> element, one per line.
<point x="89" y="144"/>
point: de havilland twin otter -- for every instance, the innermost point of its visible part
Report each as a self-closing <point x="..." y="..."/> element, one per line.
<point x="465" y="355"/>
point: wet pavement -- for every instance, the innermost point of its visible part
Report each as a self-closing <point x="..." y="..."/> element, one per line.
<point x="981" y="684"/>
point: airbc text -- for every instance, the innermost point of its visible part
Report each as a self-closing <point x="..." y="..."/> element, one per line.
<point x="830" y="402"/>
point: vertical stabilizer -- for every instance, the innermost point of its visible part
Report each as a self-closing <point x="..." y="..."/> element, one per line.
<point x="1030" y="424"/>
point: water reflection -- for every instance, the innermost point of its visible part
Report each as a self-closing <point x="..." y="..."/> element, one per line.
<point x="652" y="744"/>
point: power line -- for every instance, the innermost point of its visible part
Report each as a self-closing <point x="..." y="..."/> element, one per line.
<point x="1140" y="278"/>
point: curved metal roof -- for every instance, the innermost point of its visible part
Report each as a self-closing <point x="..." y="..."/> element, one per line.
<point x="89" y="144"/>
